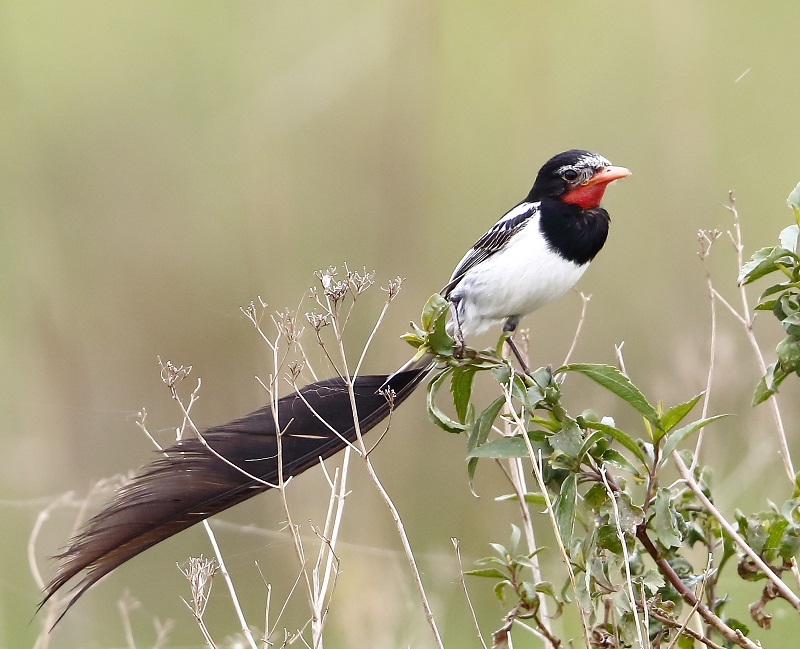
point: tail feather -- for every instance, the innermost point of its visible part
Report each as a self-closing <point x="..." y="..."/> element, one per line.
<point x="189" y="483"/>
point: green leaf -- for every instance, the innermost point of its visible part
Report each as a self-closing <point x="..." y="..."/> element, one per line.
<point x="775" y="535"/>
<point x="483" y="424"/>
<point x="589" y="442"/>
<point x="762" y="392"/>
<point x="436" y="415"/>
<point x="413" y="339"/>
<point x="546" y="588"/>
<point x="492" y="573"/>
<point x="569" y="439"/>
<point x="623" y="438"/>
<point x="794" y="202"/>
<point x="653" y="580"/>
<point x="627" y="515"/>
<point x="791" y="324"/>
<point x="617" y="459"/>
<point x="500" y="588"/>
<point x="676" y="437"/>
<point x="664" y="523"/>
<point x="502" y="448"/>
<point x="608" y="538"/>
<point x="565" y="508"/>
<point x="472" y="465"/>
<point x="738" y="625"/>
<point x="497" y="561"/>
<point x="788" y="352"/>
<point x="530" y="497"/>
<point x="595" y="497"/>
<point x="763" y="262"/>
<point x="788" y="236"/>
<point x="434" y="325"/>
<point x="479" y="432"/>
<point x="461" y="388"/>
<point x="516" y="535"/>
<point x="434" y="308"/>
<point x="526" y="560"/>
<point x="500" y="549"/>
<point x="674" y="415"/>
<point x="768" y="385"/>
<point x="617" y="383"/>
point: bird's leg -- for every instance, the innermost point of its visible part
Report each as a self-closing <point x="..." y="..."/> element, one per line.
<point x="508" y="328"/>
<point x="458" y="335"/>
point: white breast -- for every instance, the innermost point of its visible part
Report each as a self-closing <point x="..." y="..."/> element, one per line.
<point x="522" y="277"/>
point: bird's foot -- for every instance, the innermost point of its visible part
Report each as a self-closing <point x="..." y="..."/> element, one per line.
<point x="459" y="348"/>
<point x="523" y="362"/>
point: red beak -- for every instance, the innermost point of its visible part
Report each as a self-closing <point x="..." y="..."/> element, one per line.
<point x="589" y="194"/>
<point x="607" y="175"/>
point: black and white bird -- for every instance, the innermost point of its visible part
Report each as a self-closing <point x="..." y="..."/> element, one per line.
<point x="534" y="254"/>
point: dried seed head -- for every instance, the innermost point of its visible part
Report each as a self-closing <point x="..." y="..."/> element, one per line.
<point x="393" y="287"/>
<point x="293" y="370"/>
<point x="200" y="572"/>
<point x="334" y="291"/>
<point x="286" y="323"/>
<point x="172" y="374"/>
<point x="360" y="282"/>
<point x="706" y="238"/>
<point x="251" y="311"/>
<point x="390" y="395"/>
<point x="318" y="320"/>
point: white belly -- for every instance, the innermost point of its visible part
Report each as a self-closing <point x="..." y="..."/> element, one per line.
<point x="520" y="278"/>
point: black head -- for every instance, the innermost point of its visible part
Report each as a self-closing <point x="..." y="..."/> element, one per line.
<point x="575" y="176"/>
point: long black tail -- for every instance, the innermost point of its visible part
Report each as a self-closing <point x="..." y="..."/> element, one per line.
<point x="190" y="483"/>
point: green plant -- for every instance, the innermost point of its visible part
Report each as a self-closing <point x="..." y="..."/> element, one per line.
<point x="782" y="298"/>
<point x="623" y="532"/>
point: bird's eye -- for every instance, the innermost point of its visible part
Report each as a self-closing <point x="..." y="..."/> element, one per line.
<point x="570" y="174"/>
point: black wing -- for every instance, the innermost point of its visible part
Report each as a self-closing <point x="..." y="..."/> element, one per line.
<point x="491" y="242"/>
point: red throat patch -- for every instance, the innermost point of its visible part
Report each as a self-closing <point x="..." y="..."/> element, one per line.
<point x="585" y="196"/>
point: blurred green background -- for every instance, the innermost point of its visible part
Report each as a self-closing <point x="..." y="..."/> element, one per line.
<point x="162" y="164"/>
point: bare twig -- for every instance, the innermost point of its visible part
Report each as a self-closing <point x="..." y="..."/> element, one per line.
<point x="126" y="605"/>
<point x="199" y="572"/>
<point x="581" y="320"/>
<point x="395" y="514"/>
<point x="455" y="542"/>
<point x="626" y="557"/>
<point x="171" y="376"/>
<point x="536" y="461"/>
<point x="687" y="476"/>
<point x="707" y="239"/>
<point x="733" y="635"/>
<point x="748" y="319"/>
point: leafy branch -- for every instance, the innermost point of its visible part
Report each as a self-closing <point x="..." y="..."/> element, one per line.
<point x="624" y="533"/>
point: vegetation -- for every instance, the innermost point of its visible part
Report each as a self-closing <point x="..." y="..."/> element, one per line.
<point x="643" y="548"/>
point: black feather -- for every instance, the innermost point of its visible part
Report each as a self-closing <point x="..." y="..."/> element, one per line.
<point x="490" y="243"/>
<point x="190" y="483"/>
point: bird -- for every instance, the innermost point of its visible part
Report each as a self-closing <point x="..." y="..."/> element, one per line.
<point x="533" y="255"/>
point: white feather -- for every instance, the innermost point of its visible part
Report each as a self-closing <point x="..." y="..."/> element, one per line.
<point x="522" y="277"/>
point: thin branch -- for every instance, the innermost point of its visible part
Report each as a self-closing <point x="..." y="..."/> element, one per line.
<point x="687" y="476"/>
<point x="707" y="239"/>
<point x="626" y="557"/>
<point x="455" y="542"/>
<point x="536" y="461"/>
<point x="733" y="635"/>
<point x="229" y="582"/>
<point x="776" y="413"/>
<point x="581" y="320"/>
<point x="664" y="619"/>
<point x="384" y="494"/>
